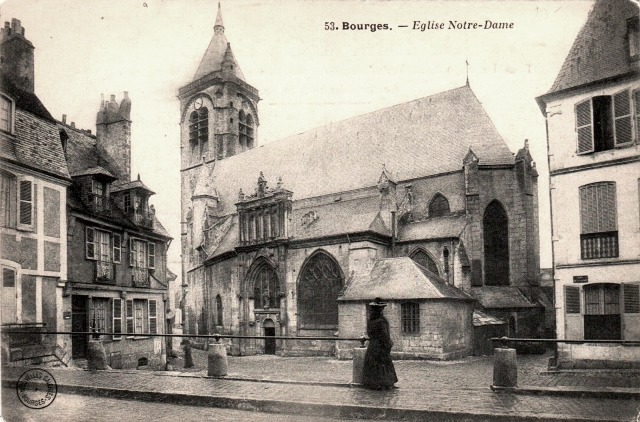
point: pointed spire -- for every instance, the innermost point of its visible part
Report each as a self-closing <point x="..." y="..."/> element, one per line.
<point x="219" y="22"/>
<point x="218" y="54"/>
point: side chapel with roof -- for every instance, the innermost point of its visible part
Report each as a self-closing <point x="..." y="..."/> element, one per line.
<point x="421" y="204"/>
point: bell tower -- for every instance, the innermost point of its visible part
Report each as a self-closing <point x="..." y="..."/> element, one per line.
<point x="218" y="119"/>
<point x="219" y="113"/>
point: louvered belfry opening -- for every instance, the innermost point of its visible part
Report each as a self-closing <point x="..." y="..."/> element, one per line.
<point x="496" y="245"/>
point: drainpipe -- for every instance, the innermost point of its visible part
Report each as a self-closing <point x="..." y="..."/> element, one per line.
<point x="393" y="234"/>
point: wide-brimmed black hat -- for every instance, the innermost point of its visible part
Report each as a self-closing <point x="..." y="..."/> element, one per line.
<point x="378" y="302"/>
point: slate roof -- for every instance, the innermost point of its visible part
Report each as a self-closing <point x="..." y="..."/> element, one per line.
<point x="133" y="184"/>
<point x="352" y="216"/>
<point x="600" y="48"/>
<point x="398" y="279"/>
<point x="26" y="100"/>
<point x="36" y="144"/>
<point x="433" y="228"/>
<point x="94" y="170"/>
<point x="424" y="137"/>
<point x="492" y="297"/>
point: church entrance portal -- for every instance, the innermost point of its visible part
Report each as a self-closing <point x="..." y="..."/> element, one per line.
<point x="269" y="343"/>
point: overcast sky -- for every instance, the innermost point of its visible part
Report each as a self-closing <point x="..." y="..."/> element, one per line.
<point x="307" y="76"/>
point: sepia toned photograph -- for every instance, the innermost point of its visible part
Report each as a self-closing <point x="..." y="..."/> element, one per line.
<point x="324" y="210"/>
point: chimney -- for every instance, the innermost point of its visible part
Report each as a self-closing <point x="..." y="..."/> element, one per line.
<point x="64" y="119"/>
<point x="113" y="134"/>
<point x="17" y="56"/>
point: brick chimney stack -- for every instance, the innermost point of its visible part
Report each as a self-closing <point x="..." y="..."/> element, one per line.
<point x="113" y="133"/>
<point x="17" y="56"/>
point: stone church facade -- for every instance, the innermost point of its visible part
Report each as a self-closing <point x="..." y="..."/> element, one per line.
<point x="284" y="239"/>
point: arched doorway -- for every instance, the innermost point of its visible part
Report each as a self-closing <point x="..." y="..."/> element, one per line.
<point x="423" y="258"/>
<point x="320" y="283"/>
<point x="269" y="330"/>
<point x="495" y="227"/>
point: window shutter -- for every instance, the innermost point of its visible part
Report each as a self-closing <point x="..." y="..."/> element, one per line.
<point x="152" y="255"/>
<point x="153" y="317"/>
<point x="631" y="294"/>
<point x="584" y="127"/>
<point x="132" y="251"/>
<point x="130" y="316"/>
<point x="26" y="203"/>
<point x="572" y="300"/>
<point x="90" y="243"/>
<point x="598" y="211"/>
<point x="117" y="248"/>
<point x="117" y="319"/>
<point x="622" y="118"/>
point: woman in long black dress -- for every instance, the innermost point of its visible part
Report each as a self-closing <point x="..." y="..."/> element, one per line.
<point x="379" y="372"/>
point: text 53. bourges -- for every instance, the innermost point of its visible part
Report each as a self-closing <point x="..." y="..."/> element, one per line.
<point x="417" y="25"/>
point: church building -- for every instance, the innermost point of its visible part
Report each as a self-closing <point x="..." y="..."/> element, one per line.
<point x="422" y="204"/>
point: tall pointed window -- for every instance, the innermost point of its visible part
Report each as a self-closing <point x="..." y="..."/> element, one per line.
<point x="321" y="282"/>
<point x="266" y="288"/>
<point x="495" y="227"/>
<point x="199" y="134"/>
<point x="439" y="206"/>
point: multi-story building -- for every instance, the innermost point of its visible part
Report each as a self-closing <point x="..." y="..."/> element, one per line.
<point x="295" y="237"/>
<point x="34" y="179"/>
<point x="592" y="115"/>
<point x="117" y="276"/>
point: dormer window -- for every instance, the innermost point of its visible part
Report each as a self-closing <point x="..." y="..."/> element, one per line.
<point x="99" y="195"/>
<point x="6" y="114"/>
<point x="633" y="38"/>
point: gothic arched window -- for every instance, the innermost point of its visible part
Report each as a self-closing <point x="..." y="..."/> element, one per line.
<point x="439" y="206"/>
<point x="422" y="258"/>
<point x="199" y="134"/>
<point x="320" y="284"/>
<point x="266" y="288"/>
<point x="495" y="227"/>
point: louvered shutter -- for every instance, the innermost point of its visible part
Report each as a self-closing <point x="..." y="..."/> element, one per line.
<point x="584" y="127"/>
<point x="631" y="294"/>
<point x="573" y="319"/>
<point x="132" y="251"/>
<point x="90" y="243"/>
<point x="26" y="204"/>
<point x="117" y="319"/>
<point x="631" y="315"/>
<point x="153" y="317"/>
<point x="151" y="255"/>
<point x="622" y="118"/>
<point x="598" y="211"/>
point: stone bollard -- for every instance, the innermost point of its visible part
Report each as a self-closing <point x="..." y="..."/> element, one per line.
<point x="505" y="368"/>
<point x="358" y="365"/>
<point x="96" y="355"/>
<point x="217" y="360"/>
<point x="188" y="358"/>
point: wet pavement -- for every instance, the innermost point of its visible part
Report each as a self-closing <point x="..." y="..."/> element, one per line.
<point x="454" y="390"/>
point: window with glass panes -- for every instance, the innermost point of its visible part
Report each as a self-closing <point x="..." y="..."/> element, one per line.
<point x="410" y="317"/>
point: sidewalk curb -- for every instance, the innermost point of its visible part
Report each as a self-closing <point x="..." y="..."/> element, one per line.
<point x="596" y="393"/>
<point x="304" y="408"/>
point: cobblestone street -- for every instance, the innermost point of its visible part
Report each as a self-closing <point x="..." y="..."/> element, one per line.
<point x="454" y="390"/>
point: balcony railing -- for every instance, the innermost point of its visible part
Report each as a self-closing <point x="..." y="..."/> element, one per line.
<point x="105" y="272"/>
<point x="599" y="245"/>
<point x="99" y="203"/>
<point x="140" y="277"/>
<point x="143" y="218"/>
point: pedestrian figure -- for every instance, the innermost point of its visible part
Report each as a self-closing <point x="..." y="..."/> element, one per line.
<point x="378" y="371"/>
<point x="188" y="358"/>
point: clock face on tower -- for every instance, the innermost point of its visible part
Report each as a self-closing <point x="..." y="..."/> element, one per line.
<point x="197" y="103"/>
